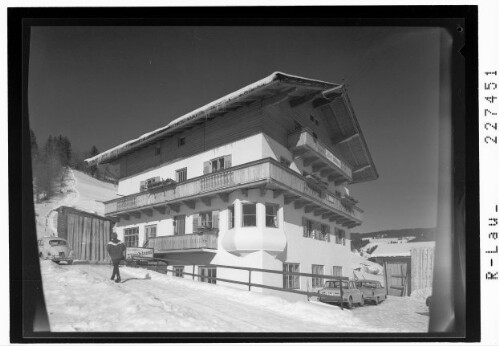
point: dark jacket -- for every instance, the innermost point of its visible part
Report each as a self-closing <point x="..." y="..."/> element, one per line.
<point x="116" y="249"/>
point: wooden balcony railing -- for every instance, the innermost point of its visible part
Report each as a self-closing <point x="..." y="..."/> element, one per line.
<point x="183" y="242"/>
<point x="304" y="139"/>
<point x="250" y="174"/>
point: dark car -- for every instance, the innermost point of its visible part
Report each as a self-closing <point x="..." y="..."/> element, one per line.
<point x="372" y="290"/>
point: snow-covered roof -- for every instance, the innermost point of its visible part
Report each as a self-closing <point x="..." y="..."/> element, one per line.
<point x="276" y="83"/>
<point x="399" y="249"/>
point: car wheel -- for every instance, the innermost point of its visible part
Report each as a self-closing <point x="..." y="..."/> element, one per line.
<point x="361" y="301"/>
<point x="376" y="301"/>
<point x="350" y="302"/>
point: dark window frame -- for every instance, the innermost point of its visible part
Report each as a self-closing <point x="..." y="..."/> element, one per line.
<point x="243" y="224"/>
<point x="275" y="217"/>
<point x="181" y="175"/>
<point x="131" y="239"/>
<point x="291" y="281"/>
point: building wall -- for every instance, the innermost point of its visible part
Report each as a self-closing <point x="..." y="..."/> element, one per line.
<point x="243" y="150"/>
<point x="214" y="133"/>
<point x="286" y="243"/>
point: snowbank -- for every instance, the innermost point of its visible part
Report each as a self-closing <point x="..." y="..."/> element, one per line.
<point x="422" y="293"/>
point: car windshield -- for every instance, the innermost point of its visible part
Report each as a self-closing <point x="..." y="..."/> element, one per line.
<point x="336" y="284"/>
<point x="366" y="284"/>
<point x="57" y="242"/>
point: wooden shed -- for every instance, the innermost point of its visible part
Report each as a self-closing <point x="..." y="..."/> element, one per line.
<point x="86" y="233"/>
<point x="407" y="266"/>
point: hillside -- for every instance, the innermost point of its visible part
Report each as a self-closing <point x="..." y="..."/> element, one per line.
<point x="78" y="190"/>
<point x="410" y="234"/>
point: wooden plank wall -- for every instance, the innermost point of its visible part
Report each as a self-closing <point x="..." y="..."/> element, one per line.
<point x="88" y="237"/>
<point x="422" y="267"/>
<point x="213" y="133"/>
<point x="397" y="276"/>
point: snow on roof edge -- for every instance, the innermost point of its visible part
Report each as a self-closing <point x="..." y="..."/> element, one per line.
<point x="203" y="110"/>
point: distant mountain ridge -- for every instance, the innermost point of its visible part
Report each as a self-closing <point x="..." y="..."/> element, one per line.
<point x="419" y="234"/>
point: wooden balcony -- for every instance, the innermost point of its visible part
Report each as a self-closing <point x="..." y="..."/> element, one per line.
<point x="319" y="157"/>
<point x="183" y="243"/>
<point x="262" y="174"/>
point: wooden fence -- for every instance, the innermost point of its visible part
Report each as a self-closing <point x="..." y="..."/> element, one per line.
<point x="164" y="269"/>
<point x="422" y="267"/>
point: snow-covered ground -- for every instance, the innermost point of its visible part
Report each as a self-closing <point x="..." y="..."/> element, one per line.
<point x="83" y="298"/>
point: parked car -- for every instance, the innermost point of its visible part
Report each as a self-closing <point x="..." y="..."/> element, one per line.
<point x="372" y="290"/>
<point x="333" y="290"/>
<point x="55" y="249"/>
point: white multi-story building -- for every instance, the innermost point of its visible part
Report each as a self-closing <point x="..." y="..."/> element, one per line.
<point x="255" y="179"/>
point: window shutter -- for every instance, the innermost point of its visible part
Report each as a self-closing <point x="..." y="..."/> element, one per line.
<point x="304" y="224"/>
<point x="214" y="215"/>
<point x="195" y="222"/>
<point x="228" y="161"/>
<point x="206" y="167"/>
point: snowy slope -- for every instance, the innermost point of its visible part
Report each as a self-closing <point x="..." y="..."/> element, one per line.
<point x="92" y="193"/>
<point x="78" y="190"/>
<point x="82" y="298"/>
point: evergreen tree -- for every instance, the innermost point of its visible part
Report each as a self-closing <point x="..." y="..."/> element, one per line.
<point x="34" y="146"/>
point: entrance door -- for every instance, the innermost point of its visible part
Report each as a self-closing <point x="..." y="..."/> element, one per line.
<point x="397" y="276"/>
<point x="208" y="274"/>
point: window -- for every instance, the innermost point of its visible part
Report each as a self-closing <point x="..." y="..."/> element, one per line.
<point x="207" y="220"/>
<point x="308" y="228"/>
<point x="289" y="280"/>
<point x="157" y="150"/>
<point x="230" y="209"/>
<point x="218" y="164"/>
<point x="337" y="271"/>
<point x="324" y="234"/>
<point x="249" y="214"/>
<point x="315" y="230"/>
<point x="181" y="175"/>
<point x="178" y="271"/>
<point x="179" y="225"/>
<point x="271" y="215"/>
<point x="317" y="270"/>
<point x="340" y="236"/>
<point x="208" y="274"/>
<point x="57" y="242"/>
<point x="150" y="232"/>
<point x="285" y="162"/>
<point x="131" y="237"/>
<point x="180" y="141"/>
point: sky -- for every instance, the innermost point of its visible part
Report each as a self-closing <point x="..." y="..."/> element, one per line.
<point x="106" y="85"/>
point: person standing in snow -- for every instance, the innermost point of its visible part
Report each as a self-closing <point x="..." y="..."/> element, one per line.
<point x="116" y="250"/>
